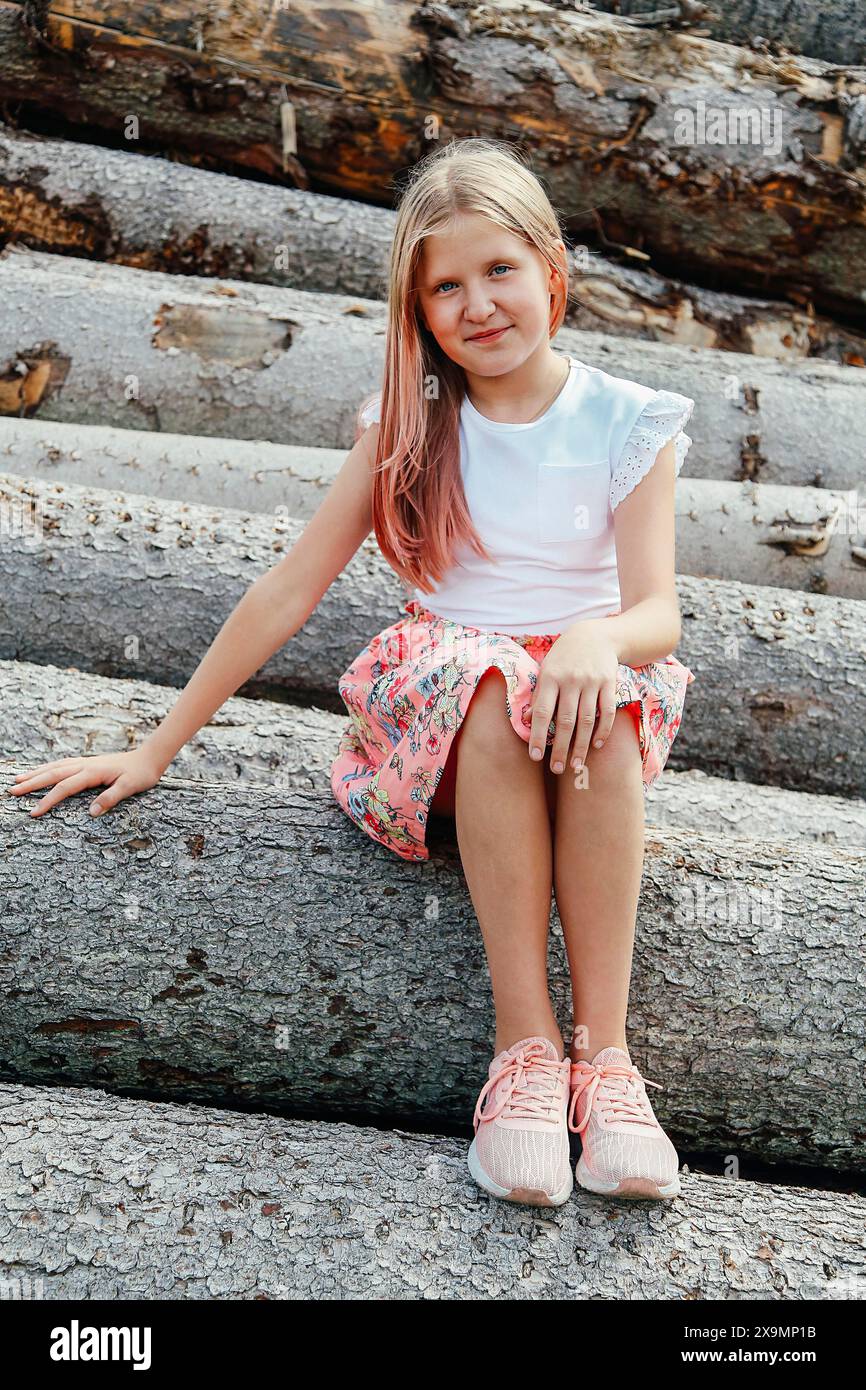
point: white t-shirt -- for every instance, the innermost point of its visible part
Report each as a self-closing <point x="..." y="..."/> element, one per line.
<point x="541" y="496"/>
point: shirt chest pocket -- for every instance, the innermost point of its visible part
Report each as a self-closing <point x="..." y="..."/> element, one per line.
<point x="572" y="501"/>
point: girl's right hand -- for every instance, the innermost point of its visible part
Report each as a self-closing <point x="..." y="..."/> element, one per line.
<point x="122" y="773"/>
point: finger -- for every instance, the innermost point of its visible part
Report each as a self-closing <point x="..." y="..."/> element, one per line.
<point x="67" y="787"/>
<point x="566" y="718"/>
<point x="606" y="715"/>
<point x="44" y="771"/>
<point x="542" y="713"/>
<point x="110" y="796"/>
<point x="38" y="781"/>
<point x="585" y="721"/>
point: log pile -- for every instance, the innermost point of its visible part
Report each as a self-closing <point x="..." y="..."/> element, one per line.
<point x="194" y="311"/>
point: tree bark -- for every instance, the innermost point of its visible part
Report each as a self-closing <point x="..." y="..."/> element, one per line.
<point x="184" y="944"/>
<point x="616" y="116"/>
<point x="133" y="585"/>
<point x="108" y="205"/>
<point x="143" y="1200"/>
<point x="229" y="358"/>
<point x="832" y="31"/>
<point x="48" y="713"/>
<point x="790" y="537"/>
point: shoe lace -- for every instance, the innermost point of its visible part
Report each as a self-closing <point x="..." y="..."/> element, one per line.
<point x="621" y="1094"/>
<point x="533" y="1089"/>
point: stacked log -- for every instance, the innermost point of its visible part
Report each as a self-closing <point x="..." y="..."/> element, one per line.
<point x="833" y="32"/>
<point x="619" y="116"/>
<point x="102" y="569"/>
<point x="199" y="1203"/>
<point x="760" y="533"/>
<point x="189" y="355"/>
<point x="71" y="198"/>
<point x="266" y="982"/>
<point x="50" y="713"/>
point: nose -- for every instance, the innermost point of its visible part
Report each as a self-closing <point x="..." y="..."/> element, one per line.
<point x="479" y="306"/>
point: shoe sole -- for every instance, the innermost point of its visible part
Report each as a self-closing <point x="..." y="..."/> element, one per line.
<point x="634" y="1188"/>
<point x="532" y="1196"/>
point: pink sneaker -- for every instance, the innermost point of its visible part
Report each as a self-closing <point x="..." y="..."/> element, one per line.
<point x="520" y="1150"/>
<point x="626" y="1153"/>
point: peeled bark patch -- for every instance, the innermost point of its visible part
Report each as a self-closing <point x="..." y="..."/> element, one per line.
<point x="145" y="1200"/>
<point x="242" y="338"/>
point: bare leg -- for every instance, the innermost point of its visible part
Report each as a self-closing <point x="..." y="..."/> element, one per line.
<point x="598" y="862"/>
<point x="504" y="835"/>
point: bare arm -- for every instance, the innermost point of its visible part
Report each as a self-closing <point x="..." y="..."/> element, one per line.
<point x="277" y="604"/>
<point x="272" y="610"/>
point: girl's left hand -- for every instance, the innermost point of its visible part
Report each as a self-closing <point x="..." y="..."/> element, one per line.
<point x="580" y="672"/>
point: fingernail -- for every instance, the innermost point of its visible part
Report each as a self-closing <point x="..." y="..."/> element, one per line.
<point x="535" y="753"/>
<point x="577" y="764"/>
<point x="599" y="742"/>
<point x="95" y="809"/>
<point x="557" y="767"/>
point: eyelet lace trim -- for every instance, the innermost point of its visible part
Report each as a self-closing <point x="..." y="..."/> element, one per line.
<point x="661" y="420"/>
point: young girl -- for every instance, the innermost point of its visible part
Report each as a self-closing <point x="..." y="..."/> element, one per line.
<point x="530" y="496"/>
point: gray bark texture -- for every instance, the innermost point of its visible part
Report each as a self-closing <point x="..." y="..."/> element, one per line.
<point x="104" y="1197"/>
<point x="603" y="104"/>
<point x="759" y="533"/>
<point x="135" y="586"/>
<point x="230" y="358"/>
<point x="48" y="713"/>
<point x="236" y="944"/>
<point x="71" y="198"/>
<point x="832" y="30"/>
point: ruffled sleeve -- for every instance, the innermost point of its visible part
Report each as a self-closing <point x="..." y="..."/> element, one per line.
<point x="661" y="420"/>
<point x="370" y="413"/>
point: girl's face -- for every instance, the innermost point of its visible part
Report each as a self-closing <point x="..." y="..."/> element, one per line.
<point x="479" y="277"/>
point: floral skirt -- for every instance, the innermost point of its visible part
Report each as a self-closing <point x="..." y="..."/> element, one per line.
<point x="408" y="691"/>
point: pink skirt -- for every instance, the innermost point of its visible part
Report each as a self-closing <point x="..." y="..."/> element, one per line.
<point x="408" y="691"/>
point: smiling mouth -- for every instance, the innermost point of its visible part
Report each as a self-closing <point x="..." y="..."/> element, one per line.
<point x="494" y="333"/>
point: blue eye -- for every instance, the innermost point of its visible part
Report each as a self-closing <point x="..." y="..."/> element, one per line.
<point x="501" y="266"/>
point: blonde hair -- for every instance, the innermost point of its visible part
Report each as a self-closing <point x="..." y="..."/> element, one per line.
<point x="419" y="508"/>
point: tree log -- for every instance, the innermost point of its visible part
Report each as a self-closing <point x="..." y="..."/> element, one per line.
<point x="832" y="31"/>
<point x="248" y="361"/>
<point x="48" y="713"/>
<point x="129" y="585"/>
<point x="621" y="121"/>
<point x="155" y="214"/>
<point x="759" y="533"/>
<point x="145" y="1200"/>
<point x="253" y="946"/>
